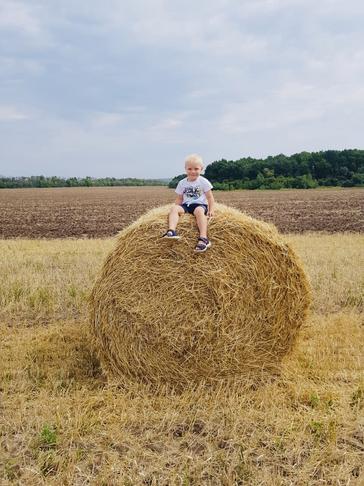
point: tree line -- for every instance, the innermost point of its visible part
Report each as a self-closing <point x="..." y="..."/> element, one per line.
<point x="303" y="170"/>
<point x="54" y="181"/>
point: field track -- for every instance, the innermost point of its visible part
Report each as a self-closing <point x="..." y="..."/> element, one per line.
<point x="102" y="212"/>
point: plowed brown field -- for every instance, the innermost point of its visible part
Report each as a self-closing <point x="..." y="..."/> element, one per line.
<point x="102" y="212"/>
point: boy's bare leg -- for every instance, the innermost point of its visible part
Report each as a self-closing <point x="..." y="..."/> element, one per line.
<point x="201" y="220"/>
<point x="174" y="215"/>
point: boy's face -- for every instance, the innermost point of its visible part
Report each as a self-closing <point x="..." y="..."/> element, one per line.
<point x="193" y="170"/>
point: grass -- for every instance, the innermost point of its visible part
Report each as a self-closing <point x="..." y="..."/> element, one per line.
<point x="61" y="423"/>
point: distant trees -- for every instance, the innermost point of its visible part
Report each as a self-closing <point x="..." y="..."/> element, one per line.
<point x="303" y="170"/>
<point x="173" y="183"/>
<point x="54" y="181"/>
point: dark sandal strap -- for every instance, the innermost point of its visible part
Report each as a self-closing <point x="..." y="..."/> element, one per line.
<point x="202" y="246"/>
<point x="170" y="233"/>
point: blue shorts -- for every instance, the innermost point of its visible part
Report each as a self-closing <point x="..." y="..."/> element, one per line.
<point x="189" y="208"/>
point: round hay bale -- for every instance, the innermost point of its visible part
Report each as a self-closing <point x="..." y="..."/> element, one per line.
<point x="162" y="314"/>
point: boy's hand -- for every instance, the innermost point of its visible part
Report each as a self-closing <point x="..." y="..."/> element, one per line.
<point x="210" y="213"/>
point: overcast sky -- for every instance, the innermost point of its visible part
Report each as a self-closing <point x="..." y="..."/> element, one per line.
<point x="129" y="88"/>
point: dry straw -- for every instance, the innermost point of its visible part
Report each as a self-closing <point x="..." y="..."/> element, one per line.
<point x="164" y="315"/>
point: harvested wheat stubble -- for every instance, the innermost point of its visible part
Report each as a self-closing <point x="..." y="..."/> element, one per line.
<point x="162" y="314"/>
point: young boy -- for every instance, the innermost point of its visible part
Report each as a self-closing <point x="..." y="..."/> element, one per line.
<point x="194" y="197"/>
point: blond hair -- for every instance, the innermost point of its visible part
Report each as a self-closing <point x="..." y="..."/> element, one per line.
<point x="197" y="159"/>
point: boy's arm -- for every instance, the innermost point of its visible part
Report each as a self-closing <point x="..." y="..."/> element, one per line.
<point x="179" y="199"/>
<point x="211" y="202"/>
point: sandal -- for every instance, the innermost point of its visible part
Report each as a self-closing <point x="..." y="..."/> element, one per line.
<point x="171" y="235"/>
<point x="201" y="247"/>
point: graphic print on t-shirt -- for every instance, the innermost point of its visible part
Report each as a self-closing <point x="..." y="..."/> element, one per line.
<point x="193" y="192"/>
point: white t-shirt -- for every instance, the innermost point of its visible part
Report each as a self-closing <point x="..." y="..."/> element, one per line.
<point x="194" y="191"/>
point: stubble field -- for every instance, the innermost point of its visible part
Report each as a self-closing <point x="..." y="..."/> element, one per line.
<point x="61" y="423"/>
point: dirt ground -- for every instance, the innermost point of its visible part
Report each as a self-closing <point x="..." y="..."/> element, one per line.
<point x="103" y="211"/>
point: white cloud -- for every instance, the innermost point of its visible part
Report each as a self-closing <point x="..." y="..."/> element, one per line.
<point x="212" y="33"/>
<point x="323" y="7"/>
<point x="20" y="16"/>
<point x="172" y="121"/>
<point x="171" y="128"/>
<point x="11" y="113"/>
<point x="291" y="104"/>
<point x="13" y="66"/>
<point x="106" y="119"/>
